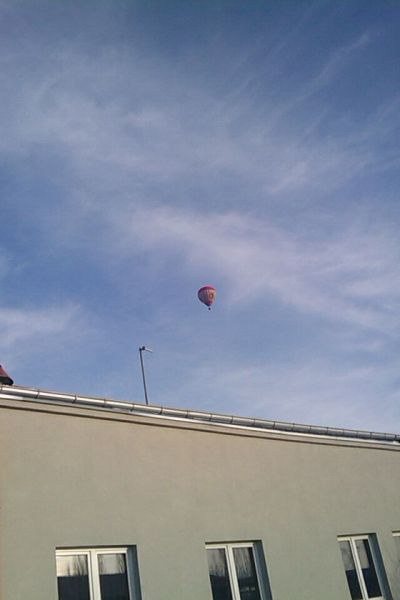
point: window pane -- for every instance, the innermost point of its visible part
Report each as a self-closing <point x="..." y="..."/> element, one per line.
<point x="219" y="575"/>
<point x="351" y="574"/>
<point x="368" y="569"/>
<point x="113" y="577"/>
<point x="246" y="574"/>
<point x="72" y="577"/>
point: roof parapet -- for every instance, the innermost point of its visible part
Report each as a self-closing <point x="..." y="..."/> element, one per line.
<point x="22" y="393"/>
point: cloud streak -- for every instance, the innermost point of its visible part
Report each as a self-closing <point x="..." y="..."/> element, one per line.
<point x="106" y="114"/>
<point x="292" y="392"/>
<point x="351" y="277"/>
<point x="21" y="326"/>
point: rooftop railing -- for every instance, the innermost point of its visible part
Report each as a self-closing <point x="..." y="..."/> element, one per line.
<point x="23" y="393"/>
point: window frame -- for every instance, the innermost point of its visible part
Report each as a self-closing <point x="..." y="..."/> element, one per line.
<point x="93" y="566"/>
<point x="231" y="566"/>
<point x="352" y="539"/>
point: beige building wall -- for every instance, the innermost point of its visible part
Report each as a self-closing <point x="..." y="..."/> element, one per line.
<point x="81" y="477"/>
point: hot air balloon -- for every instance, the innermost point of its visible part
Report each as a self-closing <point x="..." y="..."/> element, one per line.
<point x="207" y="295"/>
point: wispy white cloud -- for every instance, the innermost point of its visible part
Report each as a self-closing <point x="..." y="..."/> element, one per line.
<point x="107" y="114"/>
<point x="340" y="58"/>
<point x="26" y="326"/>
<point x="108" y="137"/>
<point x="315" y="392"/>
<point x="351" y="277"/>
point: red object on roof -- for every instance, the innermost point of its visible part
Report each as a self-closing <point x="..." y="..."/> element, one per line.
<point x="5" y="379"/>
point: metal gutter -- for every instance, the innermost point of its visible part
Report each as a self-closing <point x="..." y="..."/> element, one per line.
<point x="23" y="393"/>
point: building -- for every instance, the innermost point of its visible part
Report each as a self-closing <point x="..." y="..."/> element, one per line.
<point x="103" y="500"/>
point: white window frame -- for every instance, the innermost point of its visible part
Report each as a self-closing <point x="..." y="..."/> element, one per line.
<point x="233" y="578"/>
<point x="93" y="566"/>
<point x="352" y="541"/>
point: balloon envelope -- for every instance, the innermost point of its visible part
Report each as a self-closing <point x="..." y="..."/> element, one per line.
<point x="207" y="295"/>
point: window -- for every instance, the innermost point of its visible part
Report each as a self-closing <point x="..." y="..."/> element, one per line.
<point x="97" y="574"/>
<point x="360" y="563"/>
<point x="235" y="570"/>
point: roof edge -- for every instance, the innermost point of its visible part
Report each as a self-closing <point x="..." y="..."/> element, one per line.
<point x="25" y="393"/>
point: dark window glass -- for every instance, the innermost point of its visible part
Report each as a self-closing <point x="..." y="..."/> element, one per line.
<point x="368" y="569"/>
<point x="72" y="577"/>
<point x="219" y="575"/>
<point x="246" y="574"/>
<point x="113" y="577"/>
<point x="350" y="569"/>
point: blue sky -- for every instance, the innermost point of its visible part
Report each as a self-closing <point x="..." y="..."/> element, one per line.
<point x="148" y="148"/>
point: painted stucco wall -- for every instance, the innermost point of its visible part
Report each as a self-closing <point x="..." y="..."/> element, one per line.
<point x="73" y="477"/>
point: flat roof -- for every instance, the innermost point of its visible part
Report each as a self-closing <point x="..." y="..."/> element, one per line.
<point x="193" y="416"/>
